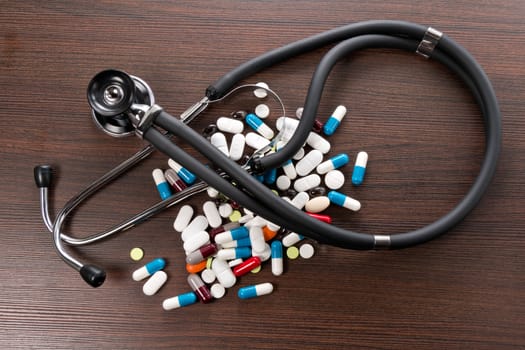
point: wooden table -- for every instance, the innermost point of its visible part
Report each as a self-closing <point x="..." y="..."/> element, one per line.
<point x="419" y="124"/>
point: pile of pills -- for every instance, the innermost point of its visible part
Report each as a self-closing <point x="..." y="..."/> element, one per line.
<point x="224" y="241"/>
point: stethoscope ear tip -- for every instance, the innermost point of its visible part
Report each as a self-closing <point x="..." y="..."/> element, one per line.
<point x="93" y="275"/>
<point x="43" y="175"/>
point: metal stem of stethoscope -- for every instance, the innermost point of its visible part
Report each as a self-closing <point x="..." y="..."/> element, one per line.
<point x="56" y="226"/>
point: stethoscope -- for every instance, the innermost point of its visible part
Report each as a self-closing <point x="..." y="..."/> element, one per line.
<point x="124" y="105"/>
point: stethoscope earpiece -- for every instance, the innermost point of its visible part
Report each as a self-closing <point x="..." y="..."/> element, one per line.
<point x="110" y="94"/>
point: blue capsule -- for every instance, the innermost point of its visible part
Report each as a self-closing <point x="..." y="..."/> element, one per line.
<point x="256" y="290"/>
<point x="359" y="168"/>
<point x="187" y="176"/>
<point x="344" y="201"/>
<point x="270" y="176"/>
<point x="179" y="301"/>
<point x="149" y="269"/>
<point x="259" y="126"/>
<point x="333" y="122"/>
<point x="162" y="185"/>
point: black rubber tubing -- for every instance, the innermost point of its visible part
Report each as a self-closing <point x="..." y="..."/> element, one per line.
<point x="300" y="222"/>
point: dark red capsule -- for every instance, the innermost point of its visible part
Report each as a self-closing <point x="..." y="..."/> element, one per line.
<point x="201" y="254"/>
<point x="198" y="286"/>
<point x="174" y="180"/>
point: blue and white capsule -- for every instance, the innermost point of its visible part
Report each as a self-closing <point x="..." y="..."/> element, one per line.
<point x="243" y="242"/>
<point x="277" y="258"/>
<point x="149" y="269"/>
<point x="333" y="122"/>
<point x="358" y="174"/>
<point x="162" y="185"/>
<point x="187" y="176"/>
<point x="232" y="235"/>
<point x="234" y="253"/>
<point x="255" y="291"/>
<point x="333" y="163"/>
<point x="259" y="126"/>
<point x="179" y="301"/>
<point x="344" y="201"/>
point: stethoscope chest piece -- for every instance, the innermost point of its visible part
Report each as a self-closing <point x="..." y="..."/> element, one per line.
<point x="110" y="94"/>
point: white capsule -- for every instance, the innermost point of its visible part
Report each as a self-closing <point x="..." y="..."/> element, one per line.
<point x="212" y="192"/>
<point x="287" y="127"/>
<point x="154" y="283"/>
<point x="230" y="125"/>
<point x="237" y="147"/>
<point x="256" y="141"/>
<point x="308" y="182"/>
<point x="309" y="162"/>
<point x="256" y="221"/>
<point x="195" y="241"/>
<point x="235" y="262"/>
<point x="299" y="112"/>
<point x="261" y="93"/>
<point x="291" y="239"/>
<point x="212" y="214"/>
<point x="224" y="273"/>
<point x="283" y="182"/>
<point x="317" y="204"/>
<point x="219" y="141"/>
<point x="257" y="239"/>
<point x="225" y="210"/>
<point x="317" y="142"/>
<point x="334" y="179"/>
<point x="300" y="200"/>
<point x="262" y="111"/>
<point x="199" y="223"/>
<point x="183" y="218"/>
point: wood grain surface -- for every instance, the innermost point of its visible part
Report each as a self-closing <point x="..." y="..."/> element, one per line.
<point x="419" y="124"/>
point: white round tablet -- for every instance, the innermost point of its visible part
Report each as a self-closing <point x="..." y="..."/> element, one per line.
<point x="208" y="276"/>
<point x="283" y="182"/>
<point x="261" y="93"/>
<point x="262" y="111"/>
<point x="306" y="251"/>
<point x="217" y="291"/>
<point x="334" y="179"/>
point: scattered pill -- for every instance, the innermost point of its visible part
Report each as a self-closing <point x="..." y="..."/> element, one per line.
<point x="283" y="182"/>
<point x="308" y="182"/>
<point x="259" y="126"/>
<point x="136" y="254"/>
<point x="257" y="269"/>
<point x="333" y="163"/>
<point x="321" y="217"/>
<point x="212" y="192"/>
<point x="196" y="268"/>
<point x="223" y="272"/>
<point x="200" y="289"/>
<point x="333" y="122"/>
<point x="217" y="290"/>
<point x="300" y="200"/>
<point x="201" y="254"/>
<point x="237" y="147"/>
<point x="257" y="239"/>
<point x="234" y="262"/>
<point x="208" y="276"/>
<point x="179" y="301"/>
<point x="277" y="258"/>
<point x="219" y="141"/>
<point x="232" y="235"/>
<point x="265" y="254"/>
<point x="230" y="125"/>
<point x="187" y="176"/>
<point x="174" y="180"/>
<point x="196" y="241"/>
<point x="291" y="239"/>
<point x="225" y="210"/>
<point x="211" y="212"/>
<point x="262" y="92"/>
<point x="317" y="204"/>
<point x="183" y="218"/>
<point x="234" y="253"/>
<point x="309" y="162"/>
<point x="247" y="266"/>
<point x="254" y="291"/>
<point x="344" y="201"/>
<point x="154" y="283"/>
<point x="359" y="168"/>
<point x="243" y="242"/>
<point x="306" y="251"/>
<point x="262" y="111"/>
<point x="256" y="141"/>
<point x="269" y="233"/>
<point x="292" y="252"/>
<point x="318" y="125"/>
<point x="270" y="176"/>
<point x="162" y="185"/>
<point x="149" y="269"/>
<point x="199" y="223"/>
<point x="300" y="154"/>
<point x="334" y="179"/>
<point x="235" y="216"/>
<point x="317" y="142"/>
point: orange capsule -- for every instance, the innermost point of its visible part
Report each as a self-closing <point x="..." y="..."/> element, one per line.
<point x="196" y="268"/>
<point x="268" y="234"/>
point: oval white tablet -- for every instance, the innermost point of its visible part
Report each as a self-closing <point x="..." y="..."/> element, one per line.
<point x="317" y="204"/>
<point x="154" y="283"/>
